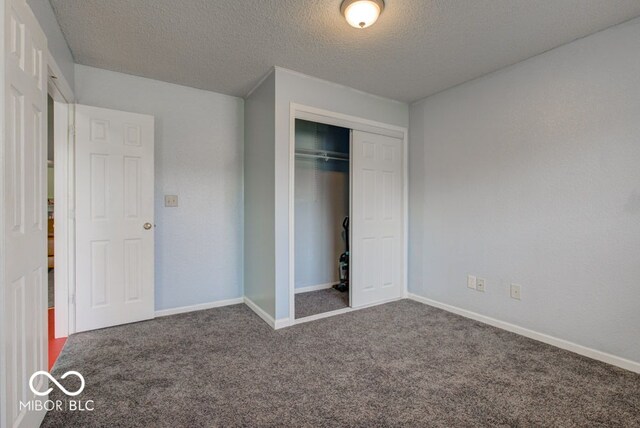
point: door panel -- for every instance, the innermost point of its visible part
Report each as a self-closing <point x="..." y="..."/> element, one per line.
<point x="23" y="307"/>
<point x="377" y="253"/>
<point x="114" y="199"/>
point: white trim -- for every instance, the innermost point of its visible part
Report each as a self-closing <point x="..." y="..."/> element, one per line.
<point x="405" y="216"/>
<point x="198" y="307"/>
<point x="342" y="311"/>
<point x="324" y="315"/>
<point x="63" y="234"/>
<point x="71" y="189"/>
<point x="260" y="312"/>
<point x="350" y="271"/>
<point x="57" y="80"/>
<point x="288" y="322"/>
<point x="64" y="180"/>
<point x="273" y="323"/>
<point x="64" y="215"/>
<point x="282" y="323"/>
<point x="531" y="334"/>
<point x="299" y="111"/>
<point x="292" y="210"/>
<point x="327" y="117"/>
<point x="4" y="343"/>
<point x="310" y="288"/>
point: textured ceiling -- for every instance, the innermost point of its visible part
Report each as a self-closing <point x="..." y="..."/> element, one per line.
<point x="417" y="47"/>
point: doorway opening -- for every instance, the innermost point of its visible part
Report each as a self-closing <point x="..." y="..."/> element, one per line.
<point x="322" y="212"/>
<point x="55" y="345"/>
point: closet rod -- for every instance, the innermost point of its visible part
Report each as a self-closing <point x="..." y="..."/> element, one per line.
<point x="324" y="157"/>
<point x="322" y="154"/>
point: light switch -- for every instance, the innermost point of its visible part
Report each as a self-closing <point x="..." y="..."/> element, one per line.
<point x="471" y="281"/>
<point x="170" y="200"/>
<point x="515" y="291"/>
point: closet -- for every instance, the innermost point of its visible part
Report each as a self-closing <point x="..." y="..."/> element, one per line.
<point x="322" y="211"/>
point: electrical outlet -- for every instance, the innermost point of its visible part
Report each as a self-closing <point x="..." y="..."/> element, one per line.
<point x="480" y="284"/>
<point x="170" y="200"/>
<point x="515" y="291"/>
<point x="471" y="281"/>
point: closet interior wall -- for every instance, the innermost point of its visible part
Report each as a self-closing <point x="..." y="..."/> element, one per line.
<point x="321" y="201"/>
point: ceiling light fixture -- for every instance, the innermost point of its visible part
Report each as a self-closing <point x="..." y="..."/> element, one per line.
<point x="361" y="13"/>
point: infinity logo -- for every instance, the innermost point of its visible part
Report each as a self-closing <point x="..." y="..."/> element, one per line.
<point x="52" y="379"/>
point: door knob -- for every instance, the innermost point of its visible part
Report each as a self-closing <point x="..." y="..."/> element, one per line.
<point x="147" y="226"/>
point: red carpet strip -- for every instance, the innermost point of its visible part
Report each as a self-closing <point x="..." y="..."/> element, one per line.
<point x="55" y="345"/>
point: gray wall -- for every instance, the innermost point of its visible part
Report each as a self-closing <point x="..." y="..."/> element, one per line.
<point x="531" y="175"/>
<point x="293" y="87"/>
<point x="259" y="260"/>
<point x="321" y="204"/>
<point x="55" y="39"/>
<point x="198" y="156"/>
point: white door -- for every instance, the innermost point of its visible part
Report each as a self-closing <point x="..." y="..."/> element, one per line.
<point x="377" y="249"/>
<point x="114" y="218"/>
<point x="24" y="220"/>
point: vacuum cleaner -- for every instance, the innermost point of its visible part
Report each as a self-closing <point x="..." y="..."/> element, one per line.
<point x="343" y="262"/>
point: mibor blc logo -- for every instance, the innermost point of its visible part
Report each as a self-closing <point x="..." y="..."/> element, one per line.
<point x="52" y="379"/>
<point x="57" y="405"/>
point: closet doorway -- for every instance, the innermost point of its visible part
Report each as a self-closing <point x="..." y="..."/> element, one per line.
<point x="322" y="211"/>
<point x="345" y="167"/>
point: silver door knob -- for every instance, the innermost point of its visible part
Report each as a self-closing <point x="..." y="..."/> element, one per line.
<point x="147" y="226"/>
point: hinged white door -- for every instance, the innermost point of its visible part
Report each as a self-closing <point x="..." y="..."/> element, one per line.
<point x="377" y="249"/>
<point x="23" y="297"/>
<point x="114" y="217"/>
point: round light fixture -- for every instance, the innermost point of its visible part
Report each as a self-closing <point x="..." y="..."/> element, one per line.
<point x="361" y="13"/>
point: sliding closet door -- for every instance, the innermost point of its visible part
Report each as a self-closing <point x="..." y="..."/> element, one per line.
<point x="377" y="251"/>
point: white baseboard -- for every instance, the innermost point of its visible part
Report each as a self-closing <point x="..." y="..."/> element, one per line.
<point x="309" y="288"/>
<point x="342" y="311"/>
<point x="282" y="323"/>
<point x="199" y="307"/>
<point x="260" y="312"/>
<point x="541" y="337"/>
<point x="275" y="324"/>
<point x="323" y="315"/>
<point x="287" y="322"/>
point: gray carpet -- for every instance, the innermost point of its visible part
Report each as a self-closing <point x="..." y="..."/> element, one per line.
<point x="319" y="302"/>
<point x="399" y="364"/>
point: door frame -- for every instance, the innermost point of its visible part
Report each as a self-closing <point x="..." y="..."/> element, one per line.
<point x="64" y="182"/>
<point x="313" y="114"/>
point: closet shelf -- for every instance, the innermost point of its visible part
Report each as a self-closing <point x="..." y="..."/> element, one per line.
<point x="324" y="155"/>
